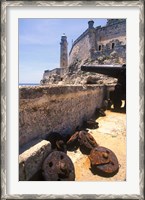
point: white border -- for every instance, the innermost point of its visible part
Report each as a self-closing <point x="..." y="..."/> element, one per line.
<point x="131" y="186"/>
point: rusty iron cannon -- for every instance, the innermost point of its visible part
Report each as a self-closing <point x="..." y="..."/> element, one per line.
<point x="115" y="71"/>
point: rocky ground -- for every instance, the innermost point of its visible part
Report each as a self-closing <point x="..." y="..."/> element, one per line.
<point x="110" y="134"/>
<point x="74" y="75"/>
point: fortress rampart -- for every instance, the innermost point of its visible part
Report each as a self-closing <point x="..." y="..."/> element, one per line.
<point x="78" y="39"/>
<point x="112" y="32"/>
<point x="57" y="71"/>
<point x="100" y="45"/>
<point x="101" y="41"/>
<point x="64" y="108"/>
<point x="56" y="108"/>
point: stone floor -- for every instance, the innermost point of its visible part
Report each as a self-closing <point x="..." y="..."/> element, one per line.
<point x="110" y="134"/>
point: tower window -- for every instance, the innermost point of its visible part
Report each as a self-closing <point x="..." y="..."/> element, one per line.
<point x="113" y="45"/>
<point x="100" y="47"/>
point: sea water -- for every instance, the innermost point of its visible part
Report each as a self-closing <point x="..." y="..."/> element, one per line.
<point x="29" y="84"/>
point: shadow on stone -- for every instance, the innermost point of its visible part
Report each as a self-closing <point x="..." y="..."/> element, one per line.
<point x="91" y="124"/>
<point x="119" y="110"/>
<point x="37" y="177"/>
<point x="58" y="142"/>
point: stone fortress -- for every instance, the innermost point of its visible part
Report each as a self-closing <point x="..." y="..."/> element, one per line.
<point x="100" y="45"/>
<point x="69" y="97"/>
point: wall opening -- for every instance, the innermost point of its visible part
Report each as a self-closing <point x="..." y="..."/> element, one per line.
<point x="113" y="44"/>
<point x="100" y="47"/>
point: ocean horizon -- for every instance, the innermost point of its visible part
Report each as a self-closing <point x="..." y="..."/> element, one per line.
<point x="29" y="84"/>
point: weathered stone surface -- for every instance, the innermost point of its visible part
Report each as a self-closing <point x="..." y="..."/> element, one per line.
<point x="56" y="109"/>
<point x="98" y="43"/>
<point x="30" y="161"/>
<point x="77" y="77"/>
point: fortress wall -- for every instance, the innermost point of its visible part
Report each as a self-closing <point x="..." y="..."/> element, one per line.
<point x="55" y="108"/>
<point x="80" y="51"/>
<point x="51" y="72"/>
<point x="104" y="37"/>
<point x="112" y="39"/>
<point x="54" y="74"/>
<point x="112" y="32"/>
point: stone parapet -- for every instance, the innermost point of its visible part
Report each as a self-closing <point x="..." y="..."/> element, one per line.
<point x="30" y="161"/>
<point x="57" y="71"/>
<point x="61" y="109"/>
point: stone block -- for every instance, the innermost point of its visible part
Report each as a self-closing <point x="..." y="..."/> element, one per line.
<point x="30" y="161"/>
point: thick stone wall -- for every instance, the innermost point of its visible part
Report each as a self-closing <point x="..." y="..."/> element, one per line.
<point x="111" y="33"/>
<point x="80" y="50"/>
<point x="55" y="108"/>
<point x="107" y="43"/>
<point x="53" y="75"/>
<point x="52" y="72"/>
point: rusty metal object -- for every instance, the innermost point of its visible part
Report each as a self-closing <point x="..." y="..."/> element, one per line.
<point x="82" y="140"/>
<point x="57" y="141"/>
<point x="86" y="142"/>
<point x="73" y="143"/>
<point x="61" y="146"/>
<point x="58" y="167"/>
<point x="103" y="162"/>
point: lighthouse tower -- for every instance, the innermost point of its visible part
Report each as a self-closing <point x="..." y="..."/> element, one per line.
<point x="63" y="52"/>
<point x="92" y="37"/>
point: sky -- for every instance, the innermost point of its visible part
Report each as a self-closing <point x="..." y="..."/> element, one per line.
<point x="39" y="44"/>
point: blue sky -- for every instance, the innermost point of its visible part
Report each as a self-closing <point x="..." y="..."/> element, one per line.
<point x="39" y="44"/>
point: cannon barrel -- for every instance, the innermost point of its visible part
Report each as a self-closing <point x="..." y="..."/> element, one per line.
<point x="115" y="71"/>
<point x="110" y="70"/>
